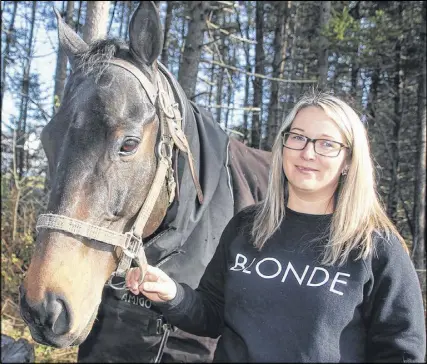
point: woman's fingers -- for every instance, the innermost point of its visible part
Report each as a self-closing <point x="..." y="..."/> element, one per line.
<point x="150" y="277"/>
<point x="132" y="278"/>
<point x="134" y="274"/>
<point x="155" y="273"/>
<point x="155" y="287"/>
<point x="156" y="283"/>
<point x="165" y="291"/>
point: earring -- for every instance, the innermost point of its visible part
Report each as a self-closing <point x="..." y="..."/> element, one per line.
<point x="344" y="172"/>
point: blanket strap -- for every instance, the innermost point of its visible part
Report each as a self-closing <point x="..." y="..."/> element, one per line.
<point x="165" y="328"/>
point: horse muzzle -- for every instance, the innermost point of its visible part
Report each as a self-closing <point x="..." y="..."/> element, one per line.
<point x="49" y="320"/>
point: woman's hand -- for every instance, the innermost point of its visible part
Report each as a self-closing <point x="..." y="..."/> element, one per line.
<point x="157" y="286"/>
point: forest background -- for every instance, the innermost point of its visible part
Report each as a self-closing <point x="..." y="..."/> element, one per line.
<point x="245" y="61"/>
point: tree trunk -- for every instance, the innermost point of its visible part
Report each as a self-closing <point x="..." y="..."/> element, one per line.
<point x="96" y="20"/>
<point x="248" y="68"/>
<point x="122" y="19"/>
<point x="246" y="103"/>
<point x="290" y="41"/>
<point x="291" y="91"/>
<point x="259" y="68"/>
<point x="393" y="196"/>
<point x="128" y="14"/>
<point x="212" y="83"/>
<point x="280" y="8"/>
<point x="187" y="75"/>
<point x="354" y="73"/>
<point x="25" y="90"/>
<point x="9" y="37"/>
<point x="168" y="22"/>
<point x="79" y="12"/>
<point x="220" y="85"/>
<point x="112" y="17"/>
<point x="325" y="14"/>
<point x="61" y="64"/>
<point x="418" y="248"/>
<point x="220" y="79"/>
<point x="227" y="110"/>
<point x="230" y="90"/>
<point x="182" y="37"/>
<point x="373" y="95"/>
<point x="355" y="64"/>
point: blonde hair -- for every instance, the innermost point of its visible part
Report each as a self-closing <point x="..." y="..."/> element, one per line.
<point x="358" y="212"/>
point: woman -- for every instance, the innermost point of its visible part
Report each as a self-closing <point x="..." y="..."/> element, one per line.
<point x="314" y="273"/>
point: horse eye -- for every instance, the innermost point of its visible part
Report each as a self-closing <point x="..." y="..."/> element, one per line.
<point x="129" y="146"/>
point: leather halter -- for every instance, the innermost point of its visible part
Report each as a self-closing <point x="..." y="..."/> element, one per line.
<point x="171" y="134"/>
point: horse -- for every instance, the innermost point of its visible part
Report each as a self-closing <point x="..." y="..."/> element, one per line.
<point x="138" y="173"/>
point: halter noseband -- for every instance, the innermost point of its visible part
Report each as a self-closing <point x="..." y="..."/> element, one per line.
<point x="171" y="134"/>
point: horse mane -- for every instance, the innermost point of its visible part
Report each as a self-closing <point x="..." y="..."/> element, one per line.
<point x="94" y="59"/>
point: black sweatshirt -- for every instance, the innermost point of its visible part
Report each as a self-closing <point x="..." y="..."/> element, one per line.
<point x="282" y="305"/>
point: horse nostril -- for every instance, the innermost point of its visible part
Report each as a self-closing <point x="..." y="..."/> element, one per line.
<point x="57" y="315"/>
<point x="62" y="323"/>
<point x="50" y="314"/>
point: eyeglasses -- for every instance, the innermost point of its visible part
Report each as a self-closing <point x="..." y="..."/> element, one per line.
<point x="324" y="147"/>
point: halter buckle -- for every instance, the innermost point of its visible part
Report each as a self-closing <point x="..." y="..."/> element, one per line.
<point x="132" y="238"/>
<point x="132" y="245"/>
<point x="165" y="148"/>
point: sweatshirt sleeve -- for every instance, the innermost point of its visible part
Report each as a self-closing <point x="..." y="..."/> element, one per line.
<point x="201" y="311"/>
<point x="394" y="308"/>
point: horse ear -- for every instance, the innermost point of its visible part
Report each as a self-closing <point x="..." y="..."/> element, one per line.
<point x="69" y="40"/>
<point x="145" y="33"/>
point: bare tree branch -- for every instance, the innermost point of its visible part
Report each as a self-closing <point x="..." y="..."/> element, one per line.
<point x="217" y="27"/>
<point x="256" y="74"/>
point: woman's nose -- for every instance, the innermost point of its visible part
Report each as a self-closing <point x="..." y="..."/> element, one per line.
<point x="308" y="152"/>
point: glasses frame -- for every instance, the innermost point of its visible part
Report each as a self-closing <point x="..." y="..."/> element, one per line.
<point x="308" y="140"/>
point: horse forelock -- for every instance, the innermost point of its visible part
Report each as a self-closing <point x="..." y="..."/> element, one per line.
<point x="90" y="84"/>
<point x="94" y="60"/>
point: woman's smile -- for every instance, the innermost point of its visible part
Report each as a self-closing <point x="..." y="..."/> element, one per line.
<point x="306" y="170"/>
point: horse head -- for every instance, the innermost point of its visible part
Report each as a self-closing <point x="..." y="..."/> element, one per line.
<point x="102" y="153"/>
